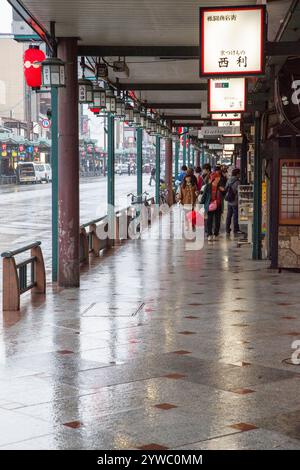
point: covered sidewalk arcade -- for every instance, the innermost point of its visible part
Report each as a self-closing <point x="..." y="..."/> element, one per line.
<point x="154" y="346"/>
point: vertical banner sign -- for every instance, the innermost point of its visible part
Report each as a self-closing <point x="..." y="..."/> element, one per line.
<point x="232" y="40"/>
<point x="227" y="95"/>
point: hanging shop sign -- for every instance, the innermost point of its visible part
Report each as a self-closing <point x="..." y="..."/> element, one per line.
<point x="287" y="93"/>
<point x="229" y="124"/>
<point x="227" y="95"/>
<point x="232" y="40"/>
<point x="226" y="116"/>
<point x="208" y="131"/>
<point x="215" y="146"/>
<point x="33" y="58"/>
<point x="228" y="147"/>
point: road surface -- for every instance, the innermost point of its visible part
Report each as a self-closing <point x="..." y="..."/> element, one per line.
<point x="25" y="211"/>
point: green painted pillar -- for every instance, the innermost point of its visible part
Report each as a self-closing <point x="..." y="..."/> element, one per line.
<point x="202" y="155"/>
<point x="189" y="154"/>
<point x="193" y="157"/>
<point x="177" y="148"/>
<point x="110" y="169"/>
<point x="139" y="161"/>
<point x="257" y="210"/>
<point x="157" y="170"/>
<point x="184" y="147"/>
<point x="54" y="165"/>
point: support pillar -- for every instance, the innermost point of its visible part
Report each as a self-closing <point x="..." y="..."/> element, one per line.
<point x="184" y="147"/>
<point x="168" y="170"/>
<point x="202" y="155"/>
<point x="197" y="163"/>
<point x="110" y="161"/>
<point x="139" y="162"/>
<point x="68" y="169"/>
<point x="244" y="160"/>
<point x="54" y="186"/>
<point x="257" y="211"/>
<point x="188" y="153"/>
<point x="176" y="170"/>
<point x="193" y="157"/>
<point x="157" y="170"/>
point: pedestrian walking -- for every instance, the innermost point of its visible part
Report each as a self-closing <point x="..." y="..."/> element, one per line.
<point x="231" y="197"/>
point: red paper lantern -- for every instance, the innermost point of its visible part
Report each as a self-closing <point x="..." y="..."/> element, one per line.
<point x="95" y="110"/>
<point x="32" y="66"/>
<point x="3" y="146"/>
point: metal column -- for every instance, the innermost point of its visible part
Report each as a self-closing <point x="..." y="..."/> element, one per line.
<point x="157" y="170"/>
<point x="197" y="163"/>
<point x="176" y="171"/>
<point x="193" y="157"/>
<point x="202" y="155"/>
<point x="54" y="165"/>
<point x="139" y="161"/>
<point x="189" y="154"/>
<point x="168" y="170"/>
<point x="110" y="161"/>
<point x="244" y="160"/>
<point x="68" y="169"/>
<point x="184" y="147"/>
<point x="257" y="210"/>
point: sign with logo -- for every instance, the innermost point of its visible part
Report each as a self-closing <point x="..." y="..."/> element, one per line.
<point x="226" y="116"/>
<point x="226" y="95"/>
<point x="232" y="40"/>
<point x="228" y="147"/>
<point x="287" y="93"/>
<point x="46" y="123"/>
<point x="215" y="146"/>
<point x="228" y="123"/>
<point x="207" y="131"/>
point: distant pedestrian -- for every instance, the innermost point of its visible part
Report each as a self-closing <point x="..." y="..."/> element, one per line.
<point x="152" y="177"/>
<point x="231" y="197"/>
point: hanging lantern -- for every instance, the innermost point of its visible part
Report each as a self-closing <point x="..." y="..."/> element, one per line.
<point x="129" y="114"/>
<point x="110" y="102"/>
<point x="120" y="108"/>
<point x="53" y="73"/>
<point x="85" y="89"/>
<point x="99" y="97"/>
<point x="137" y="117"/>
<point x="33" y="58"/>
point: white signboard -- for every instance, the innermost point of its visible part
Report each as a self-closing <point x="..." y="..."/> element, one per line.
<point x="207" y="131"/>
<point x="215" y="146"/>
<point x="232" y="40"/>
<point x="228" y="147"/>
<point x="226" y="116"/>
<point x="226" y="95"/>
<point x="228" y="124"/>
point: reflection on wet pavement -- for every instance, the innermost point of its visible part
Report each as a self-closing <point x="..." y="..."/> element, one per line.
<point x="156" y="349"/>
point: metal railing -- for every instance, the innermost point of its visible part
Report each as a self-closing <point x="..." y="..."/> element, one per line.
<point x="90" y="241"/>
<point x="8" y="179"/>
<point x="21" y="277"/>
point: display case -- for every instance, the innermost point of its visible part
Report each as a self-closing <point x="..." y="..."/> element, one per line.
<point x="289" y="214"/>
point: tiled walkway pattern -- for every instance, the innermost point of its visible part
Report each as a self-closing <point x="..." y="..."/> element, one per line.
<point x="159" y="348"/>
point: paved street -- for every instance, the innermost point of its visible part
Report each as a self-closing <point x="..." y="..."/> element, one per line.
<point x="25" y="211"/>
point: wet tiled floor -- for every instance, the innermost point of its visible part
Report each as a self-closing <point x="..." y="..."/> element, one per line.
<point x="159" y="348"/>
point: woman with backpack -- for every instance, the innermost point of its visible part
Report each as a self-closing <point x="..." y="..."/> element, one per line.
<point x="231" y="197"/>
<point x="212" y="199"/>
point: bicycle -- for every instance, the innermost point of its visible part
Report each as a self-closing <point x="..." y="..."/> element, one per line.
<point x="141" y="199"/>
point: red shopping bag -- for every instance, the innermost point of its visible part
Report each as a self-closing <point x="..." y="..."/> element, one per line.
<point x="195" y="218"/>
